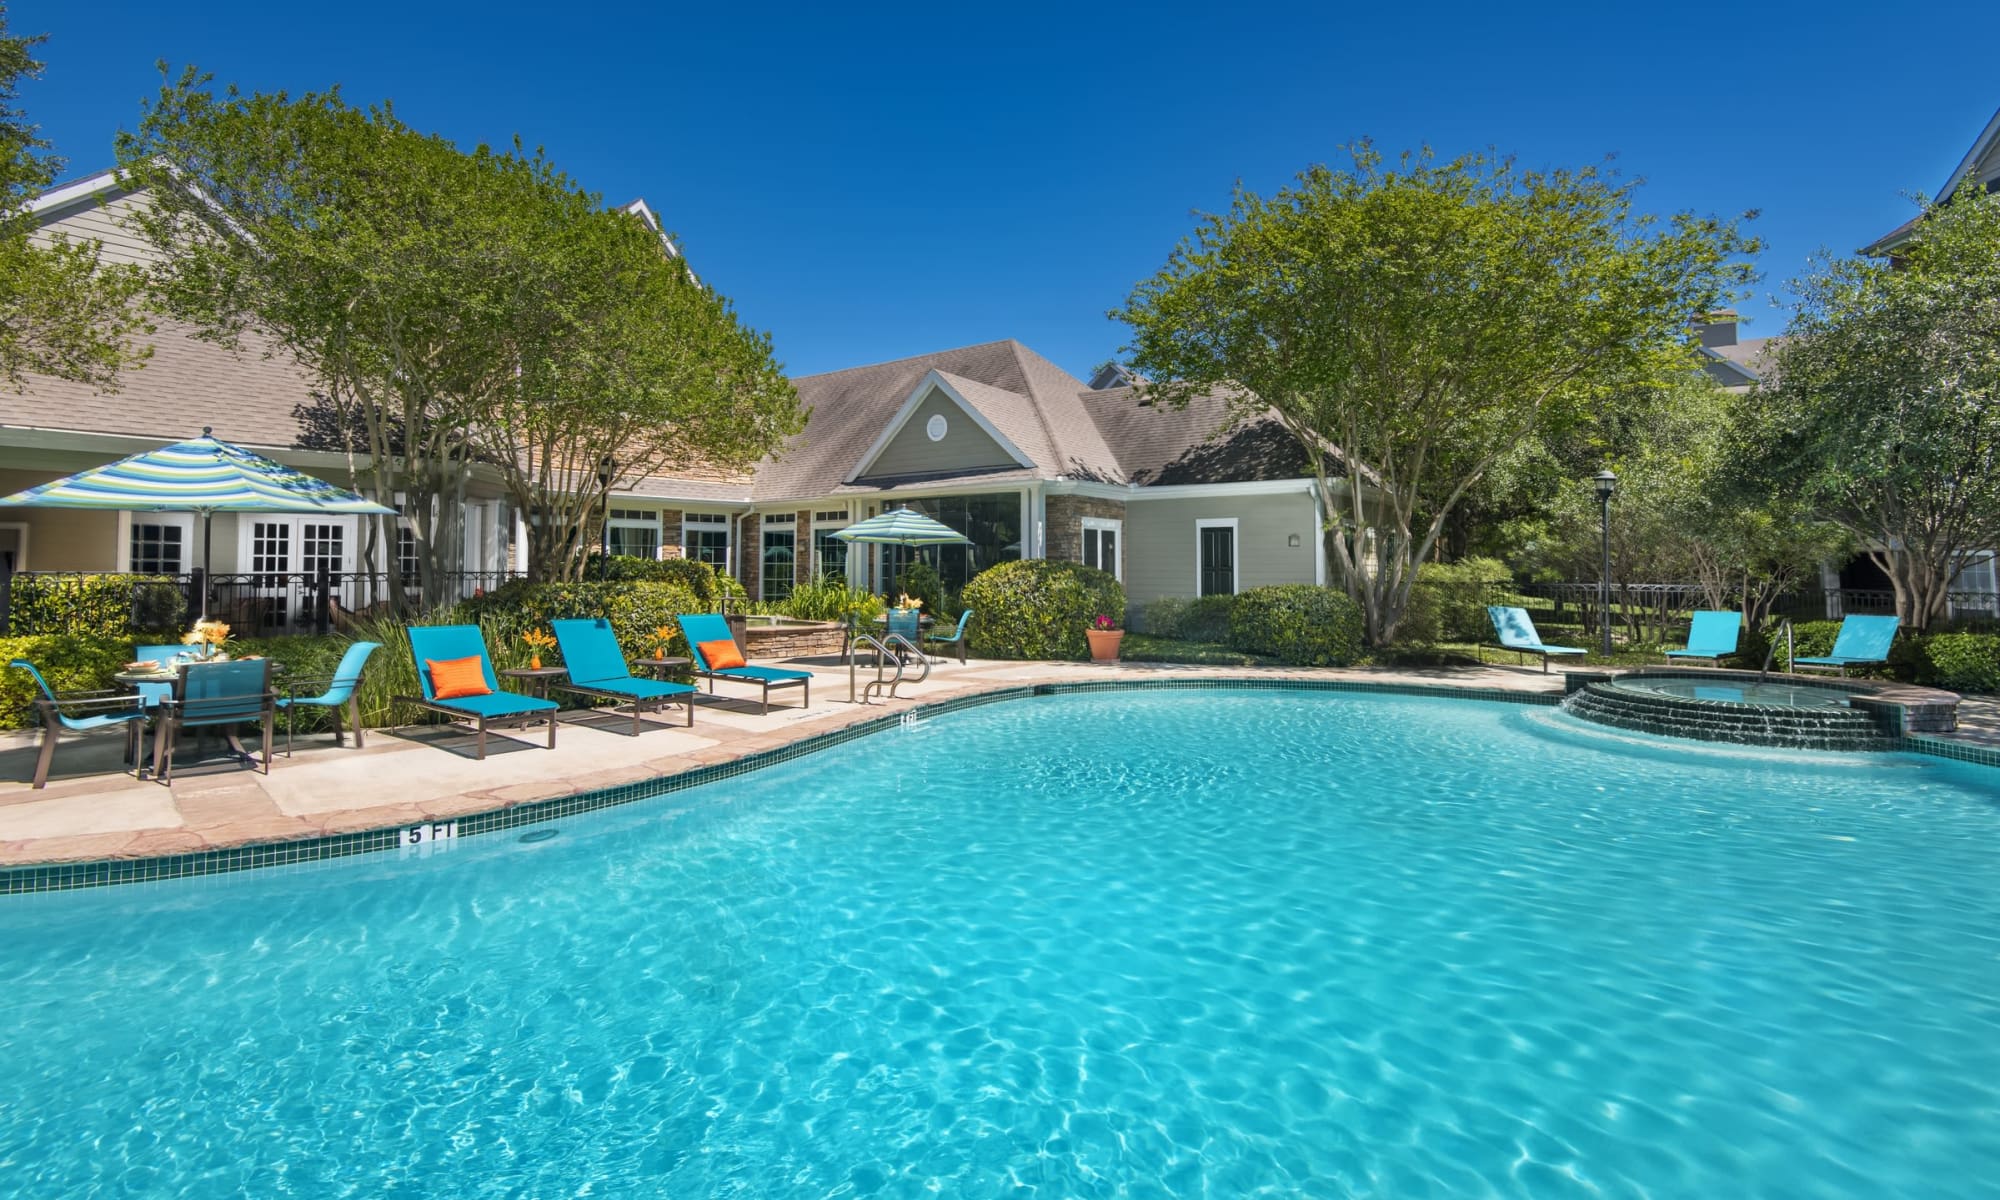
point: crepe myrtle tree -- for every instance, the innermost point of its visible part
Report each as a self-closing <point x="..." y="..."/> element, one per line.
<point x="1412" y="322"/>
<point x="1881" y="407"/>
<point x="64" y="311"/>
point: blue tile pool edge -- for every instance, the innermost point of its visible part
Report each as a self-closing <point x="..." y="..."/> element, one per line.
<point x="55" y="877"/>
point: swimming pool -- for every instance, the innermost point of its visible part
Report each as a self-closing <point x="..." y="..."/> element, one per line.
<point x="1121" y="944"/>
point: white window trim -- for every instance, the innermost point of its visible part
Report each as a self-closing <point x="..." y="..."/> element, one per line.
<point x="1117" y="528"/>
<point x="650" y="521"/>
<point x="1235" y="551"/>
<point x="818" y="566"/>
<point x="721" y="522"/>
<point x="190" y="549"/>
<point x="20" y="529"/>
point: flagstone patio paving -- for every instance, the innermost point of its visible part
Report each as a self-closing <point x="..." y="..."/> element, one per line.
<point x="91" y="810"/>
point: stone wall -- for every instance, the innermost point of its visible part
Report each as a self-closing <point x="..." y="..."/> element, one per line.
<point x="794" y="641"/>
<point x="1064" y="527"/>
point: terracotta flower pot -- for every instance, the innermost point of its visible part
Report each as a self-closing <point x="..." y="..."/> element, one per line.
<point x="1104" y="644"/>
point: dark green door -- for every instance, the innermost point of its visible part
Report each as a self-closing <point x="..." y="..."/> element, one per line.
<point x="1218" y="560"/>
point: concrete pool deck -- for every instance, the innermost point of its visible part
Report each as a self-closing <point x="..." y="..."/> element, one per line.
<point x="94" y="811"/>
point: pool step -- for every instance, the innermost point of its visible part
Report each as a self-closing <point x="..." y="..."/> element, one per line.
<point x="1742" y="724"/>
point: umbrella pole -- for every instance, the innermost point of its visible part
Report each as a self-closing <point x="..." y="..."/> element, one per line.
<point x="207" y="534"/>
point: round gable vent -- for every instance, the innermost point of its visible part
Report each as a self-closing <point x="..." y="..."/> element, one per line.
<point x="936" y="427"/>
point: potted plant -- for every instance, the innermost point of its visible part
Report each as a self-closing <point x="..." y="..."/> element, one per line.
<point x="537" y="642"/>
<point x="1104" y="636"/>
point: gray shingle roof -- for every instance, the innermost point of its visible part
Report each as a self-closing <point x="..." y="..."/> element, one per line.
<point x="248" y="398"/>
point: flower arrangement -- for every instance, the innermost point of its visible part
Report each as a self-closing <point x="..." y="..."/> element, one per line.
<point x="209" y="636"/>
<point x="537" y="641"/>
<point x="906" y="603"/>
<point x="663" y="639"/>
<point x="1104" y="623"/>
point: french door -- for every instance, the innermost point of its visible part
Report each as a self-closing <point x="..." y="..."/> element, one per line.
<point x="283" y="557"/>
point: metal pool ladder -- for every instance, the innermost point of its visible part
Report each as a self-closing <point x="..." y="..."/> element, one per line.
<point x="1764" y="672"/>
<point x="884" y="684"/>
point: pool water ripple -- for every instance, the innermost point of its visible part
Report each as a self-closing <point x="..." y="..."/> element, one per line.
<point x="1122" y="945"/>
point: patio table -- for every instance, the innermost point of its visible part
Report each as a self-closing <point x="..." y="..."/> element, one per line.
<point x="235" y="744"/>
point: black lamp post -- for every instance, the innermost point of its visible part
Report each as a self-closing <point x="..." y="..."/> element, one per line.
<point x="607" y="470"/>
<point x="1606" y="484"/>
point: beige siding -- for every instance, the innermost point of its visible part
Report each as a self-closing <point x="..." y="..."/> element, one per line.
<point x="61" y="539"/>
<point x="102" y="222"/>
<point x="965" y="446"/>
<point x="1160" y="542"/>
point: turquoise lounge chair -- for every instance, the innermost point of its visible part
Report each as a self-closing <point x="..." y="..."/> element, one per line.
<point x="597" y="668"/>
<point x="954" y="638"/>
<point x="81" y="712"/>
<point x="339" y="691"/>
<point x="442" y="643"/>
<point x="1517" y="633"/>
<point x="1862" y="642"/>
<point x="708" y="627"/>
<point x="1711" y="635"/>
<point x="215" y="693"/>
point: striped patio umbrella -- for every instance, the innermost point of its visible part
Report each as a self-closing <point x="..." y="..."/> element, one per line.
<point x="903" y="527"/>
<point x="204" y="476"/>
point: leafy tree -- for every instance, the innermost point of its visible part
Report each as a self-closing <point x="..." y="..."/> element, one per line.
<point x="1881" y="412"/>
<point x="627" y="366"/>
<point x="455" y="308"/>
<point x="63" y="310"/>
<point x="1413" y="325"/>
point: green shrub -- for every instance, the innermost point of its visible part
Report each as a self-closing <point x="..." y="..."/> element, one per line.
<point x="1189" y="619"/>
<point x="71" y="662"/>
<point x="1297" y="623"/>
<point x="828" y="598"/>
<point x="692" y="573"/>
<point x="1033" y="608"/>
<point x="1959" y="661"/>
<point x="917" y="580"/>
<point x="108" y="606"/>
<point x="1448" y="602"/>
<point x="635" y="610"/>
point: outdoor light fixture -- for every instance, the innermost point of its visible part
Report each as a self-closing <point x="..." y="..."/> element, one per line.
<point x="607" y="470"/>
<point x="1607" y="483"/>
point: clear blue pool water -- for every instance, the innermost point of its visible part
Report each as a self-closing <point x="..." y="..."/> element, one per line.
<point x="1137" y="944"/>
<point x="1763" y="693"/>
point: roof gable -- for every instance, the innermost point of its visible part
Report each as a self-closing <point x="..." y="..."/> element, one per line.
<point x="906" y="446"/>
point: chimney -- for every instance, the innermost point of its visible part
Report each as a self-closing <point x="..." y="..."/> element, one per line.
<point x="1717" y="328"/>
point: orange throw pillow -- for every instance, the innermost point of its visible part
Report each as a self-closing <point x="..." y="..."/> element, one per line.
<point x="455" y="677"/>
<point x="721" y="654"/>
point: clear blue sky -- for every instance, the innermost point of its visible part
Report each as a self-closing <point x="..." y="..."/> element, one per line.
<point x="869" y="181"/>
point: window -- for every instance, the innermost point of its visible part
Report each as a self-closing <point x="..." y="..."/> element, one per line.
<point x="1215" y="557"/>
<point x="992" y="521"/>
<point x="634" y="532"/>
<point x="1100" y="544"/>
<point x="158" y="548"/>
<point x="705" y="538"/>
<point x="830" y="553"/>
<point x="775" y="578"/>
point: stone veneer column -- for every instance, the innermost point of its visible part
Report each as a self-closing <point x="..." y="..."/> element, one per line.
<point x="1064" y="529"/>
<point x="749" y="542"/>
<point x="670" y="533"/>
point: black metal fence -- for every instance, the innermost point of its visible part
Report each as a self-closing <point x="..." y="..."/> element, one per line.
<point x="255" y="604"/>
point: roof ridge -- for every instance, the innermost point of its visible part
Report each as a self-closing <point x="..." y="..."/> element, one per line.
<point x="1021" y="354"/>
<point x="890" y="362"/>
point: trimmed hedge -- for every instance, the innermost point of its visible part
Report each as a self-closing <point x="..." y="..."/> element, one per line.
<point x="1297" y="623"/>
<point x="691" y="573"/>
<point x="1448" y="602"/>
<point x="1188" y="619"/>
<point x="106" y="606"/>
<point x="1034" y="608"/>
<point x="635" y="610"/>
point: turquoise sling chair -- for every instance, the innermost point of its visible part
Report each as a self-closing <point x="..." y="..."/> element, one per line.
<point x="214" y="693"/>
<point x="707" y="627"/>
<point x="81" y="712"/>
<point x="597" y="668"/>
<point x="1516" y="631"/>
<point x="955" y="637"/>
<point x="1862" y="642"/>
<point x="444" y="643"/>
<point x="1711" y="635"/>
<point x="339" y="691"/>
